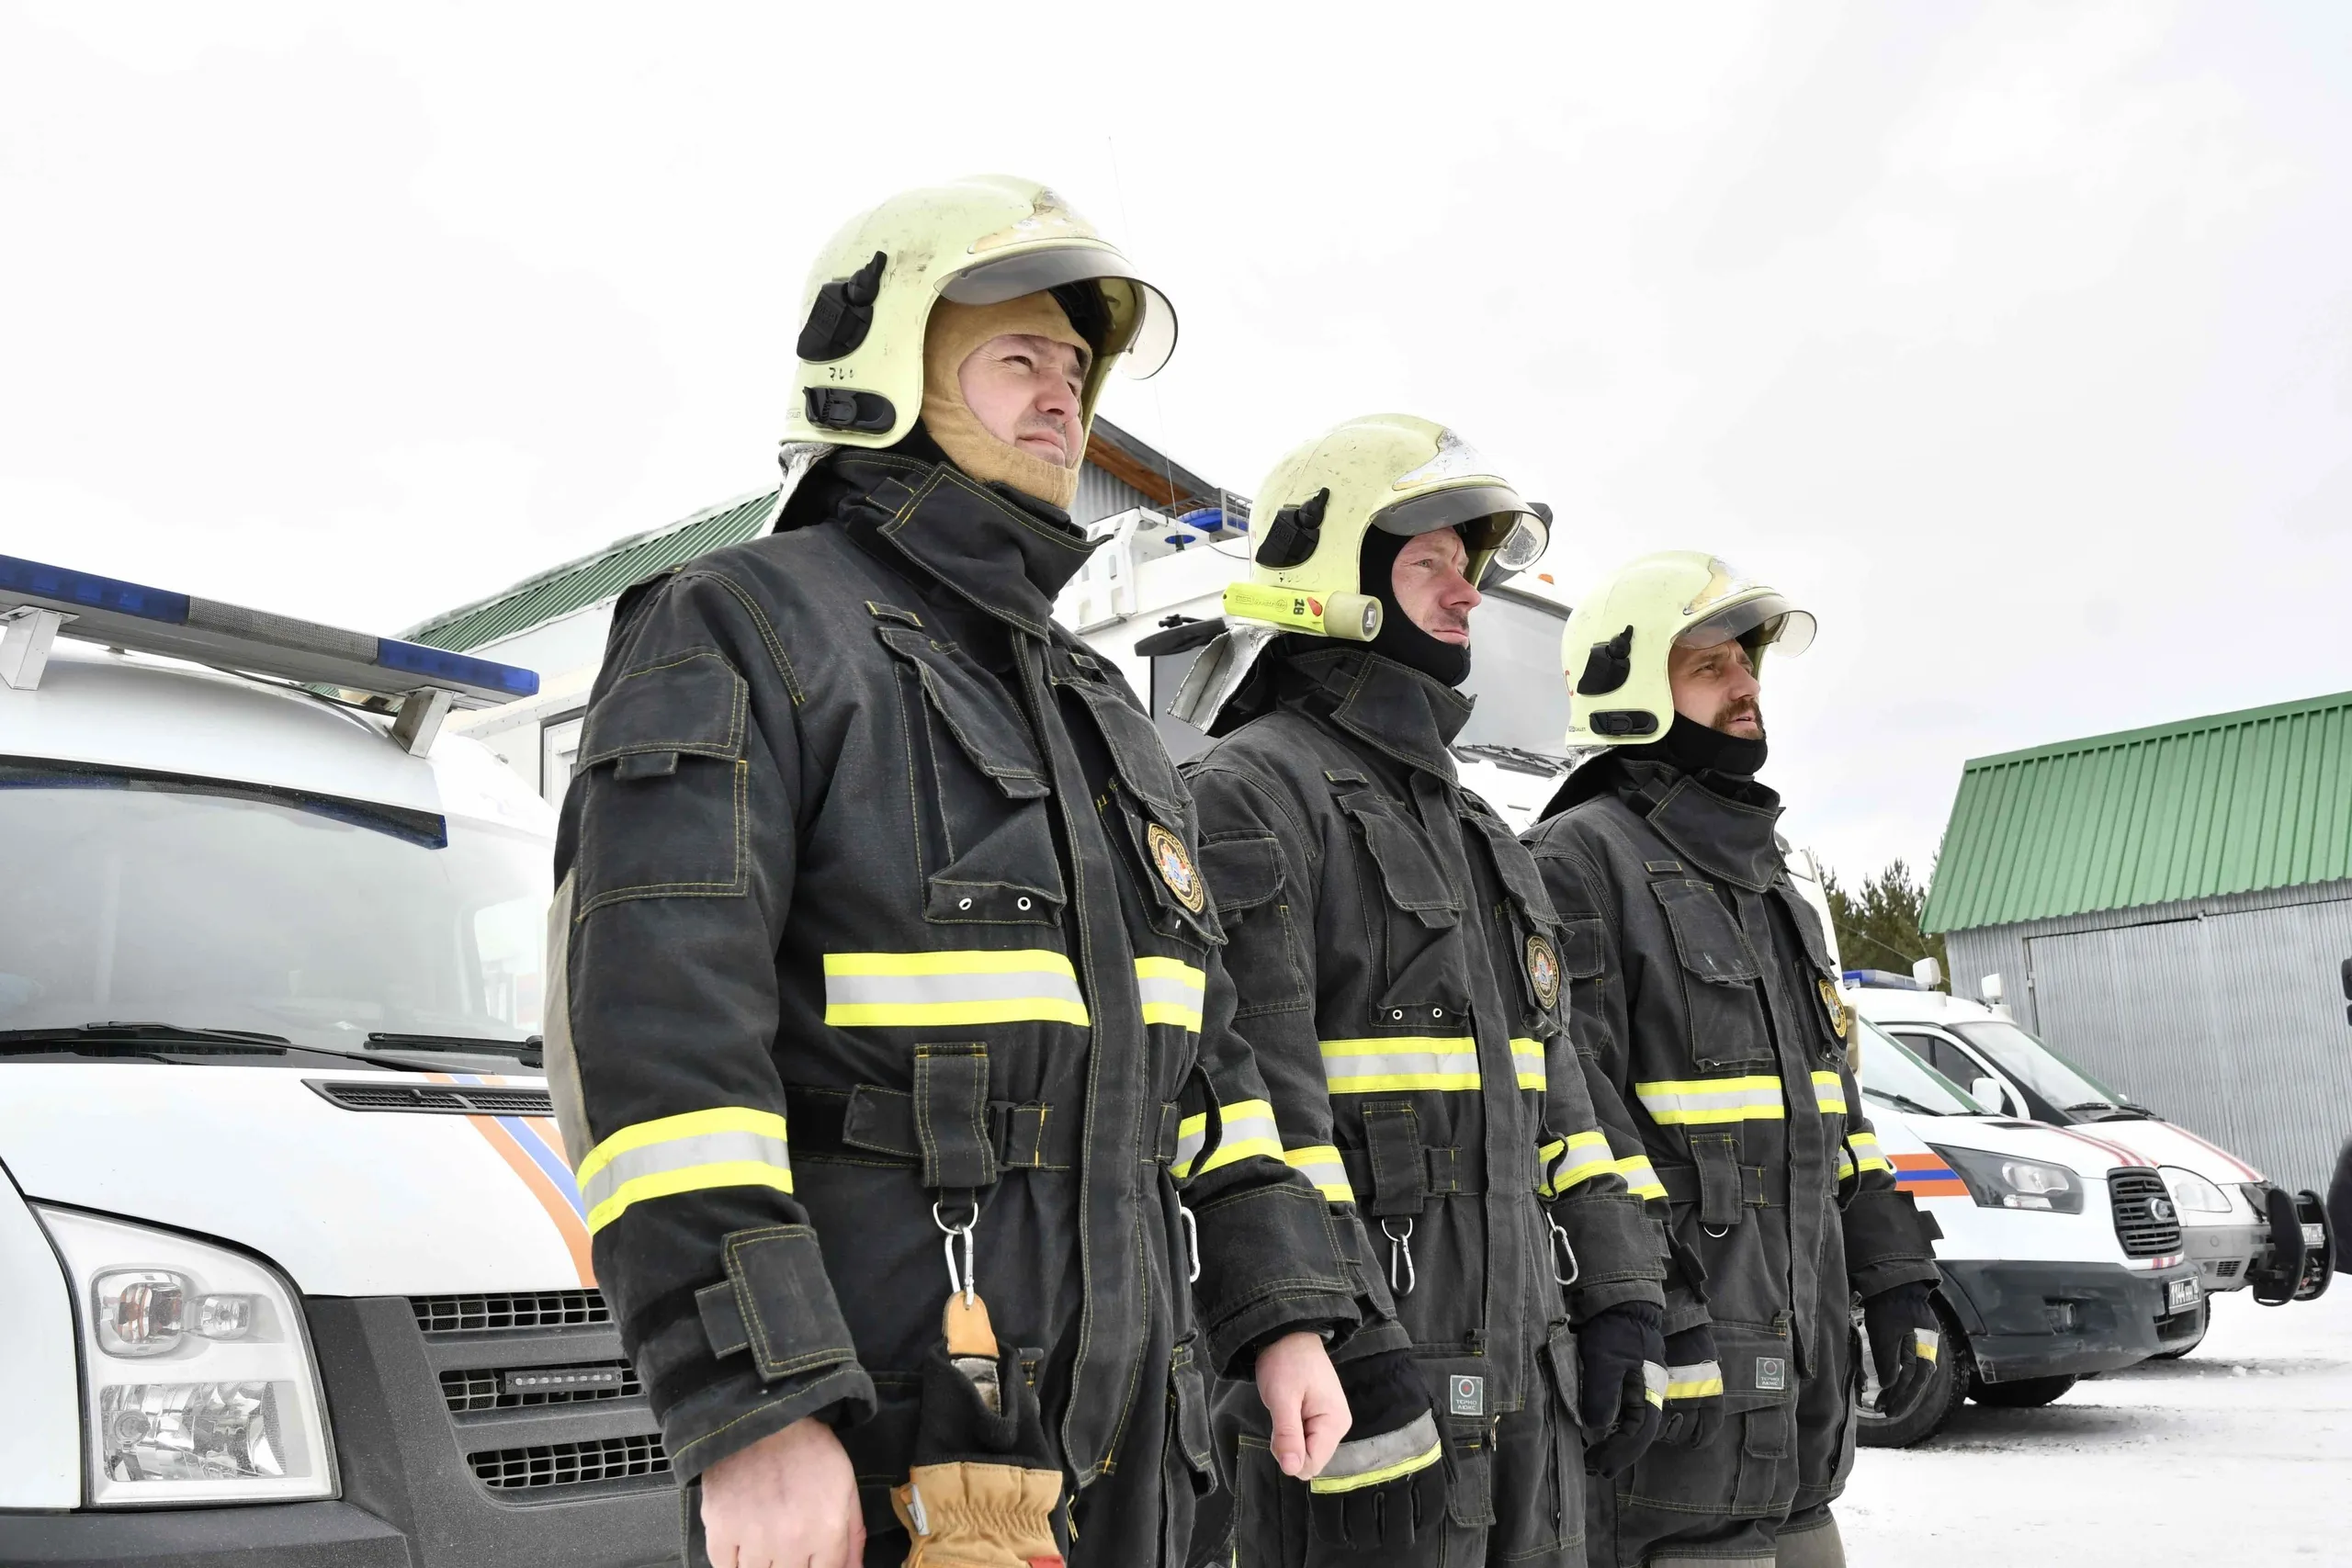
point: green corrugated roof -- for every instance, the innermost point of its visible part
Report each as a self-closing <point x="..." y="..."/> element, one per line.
<point x="592" y="579"/>
<point x="2232" y="802"/>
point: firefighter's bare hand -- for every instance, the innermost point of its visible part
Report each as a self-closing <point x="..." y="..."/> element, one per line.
<point x="788" y="1501"/>
<point x="1302" y="1393"/>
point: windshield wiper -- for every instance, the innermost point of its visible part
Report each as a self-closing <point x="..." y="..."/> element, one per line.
<point x="526" y="1050"/>
<point x="137" y="1039"/>
<point x="1903" y="1103"/>
<point x="2113" y="1111"/>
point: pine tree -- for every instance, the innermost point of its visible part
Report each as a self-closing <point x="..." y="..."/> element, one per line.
<point x="1878" y="925"/>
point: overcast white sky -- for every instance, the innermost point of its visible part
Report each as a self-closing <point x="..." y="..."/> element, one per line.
<point x="2016" y="341"/>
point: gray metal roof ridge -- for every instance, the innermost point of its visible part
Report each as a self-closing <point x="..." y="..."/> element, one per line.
<point x="2173" y="728"/>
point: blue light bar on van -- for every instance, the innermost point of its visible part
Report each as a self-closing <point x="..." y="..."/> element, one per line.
<point x="149" y="620"/>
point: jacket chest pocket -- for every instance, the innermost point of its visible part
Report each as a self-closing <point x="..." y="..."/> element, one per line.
<point x="1719" y="978"/>
<point x="1152" y="806"/>
<point x="1528" y="926"/>
<point x="1831" y="1033"/>
<point x="984" y="843"/>
<point x="1413" y="914"/>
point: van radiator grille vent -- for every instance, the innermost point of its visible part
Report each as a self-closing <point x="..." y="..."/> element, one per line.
<point x="2144" y="1221"/>
<point x="433" y="1099"/>
<point x="569" y="1464"/>
<point x="479" y="1388"/>
<point x="509" y="1310"/>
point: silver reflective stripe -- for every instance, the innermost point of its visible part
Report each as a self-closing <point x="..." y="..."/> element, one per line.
<point x="1185" y="991"/>
<point x="563" y="1067"/>
<point x="1698" y="1380"/>
<point x="1380" y="1459"/>
<point x="1188" y="1140"/>
<point x="851" y="990"/>
<point x="683" y="1154"/>
<point x="1698" y="1100"/>
<point x="1654" y="1380"/>
<point x="1321" y="1165"/>
<point x="1360" y="1066"/>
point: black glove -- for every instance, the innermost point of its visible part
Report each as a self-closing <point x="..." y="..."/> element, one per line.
<point x="1905" y="1339"/>
<point x="1384" y="1488"/>
<point x="1621" y="1357"/>
<point x="1695" y="1389"/>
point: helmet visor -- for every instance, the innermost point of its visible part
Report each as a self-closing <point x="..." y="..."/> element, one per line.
<point x="1504" y="534"/>
<point x="1143" y="323"/>
<point x="1769" y="620"/>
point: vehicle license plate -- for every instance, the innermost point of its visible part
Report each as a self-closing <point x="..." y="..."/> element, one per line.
<point x="2314" y="1234"/>
<point x="2180" y="1294"/>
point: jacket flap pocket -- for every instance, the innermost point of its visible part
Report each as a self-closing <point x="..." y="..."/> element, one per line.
<point x="1137" y="753"/>
<point x="1242" y="872"/>
<point x="1807" y="921"/>
<point x="693" y="703"/>
<point x="1580" y="949"/>
<point x="1760" y="1367"/>
<point x="1408" y="867"/>
<point x="1516" y="869"/>
<point x="1710" y="945"/>
<point x="989" y="733"/>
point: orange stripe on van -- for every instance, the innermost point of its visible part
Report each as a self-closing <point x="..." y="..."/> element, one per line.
<point x="562" y="1209"/>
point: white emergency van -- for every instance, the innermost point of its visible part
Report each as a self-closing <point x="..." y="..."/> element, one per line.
<point x="291" y="1268"/>
<point x="2240" y="1230"/>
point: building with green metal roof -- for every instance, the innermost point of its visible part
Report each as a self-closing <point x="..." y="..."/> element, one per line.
<point x="2172" y="908"/>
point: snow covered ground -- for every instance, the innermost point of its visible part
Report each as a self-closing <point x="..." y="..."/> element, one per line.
<point x="2240" y="1453"/>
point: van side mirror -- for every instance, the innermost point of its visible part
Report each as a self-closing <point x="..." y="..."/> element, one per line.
<point x="1987" y="1092"/>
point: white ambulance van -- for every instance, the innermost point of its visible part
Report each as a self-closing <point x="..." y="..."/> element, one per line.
<point x="2242" y="1231"/>
<point x="291" y="1268"/>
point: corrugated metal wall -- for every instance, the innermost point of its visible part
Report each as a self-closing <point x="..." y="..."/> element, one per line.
<point x="2227" y="1015"/>
<point x="1101" y="496"/>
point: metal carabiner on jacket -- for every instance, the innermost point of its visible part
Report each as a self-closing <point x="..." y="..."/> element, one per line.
<point x="1401" y="1276"/>
<point x="1192" y="1243"/>
<point x="1562" y="1247"/>
<point x="959" y="1282"/>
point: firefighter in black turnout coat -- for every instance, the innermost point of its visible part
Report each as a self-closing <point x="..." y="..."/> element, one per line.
<point x="880" y="935"/>
<point x="1702" y="983"/>
<point x="1396" y="965"/>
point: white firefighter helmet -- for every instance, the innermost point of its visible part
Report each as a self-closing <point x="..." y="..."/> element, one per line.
<point x="1389" y="471"/>
<point x="978" y="242"/>
<point x="1613" y="653"/>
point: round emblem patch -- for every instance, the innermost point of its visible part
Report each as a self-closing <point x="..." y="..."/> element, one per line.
<point x="1838" y="1018"/>
<point x="1544" y="970"/>
<point x="1175" y="867"/>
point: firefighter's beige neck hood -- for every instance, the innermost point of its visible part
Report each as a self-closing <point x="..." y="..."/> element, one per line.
<point x="954" y="332"/>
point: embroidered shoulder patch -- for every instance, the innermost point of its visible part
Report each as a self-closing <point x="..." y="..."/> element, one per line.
<point x="1840" y="1021"/>
<point x="1175" y="867"/>
<point x="1544" y="970"/>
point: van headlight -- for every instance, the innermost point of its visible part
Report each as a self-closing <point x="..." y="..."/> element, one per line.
<point x="2005" y="1181"/>
<point x="2192" y="1194"/>
<point x="196" y="1369"/>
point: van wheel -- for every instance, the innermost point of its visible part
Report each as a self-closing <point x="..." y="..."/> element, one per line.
<point x="1947" y="1391"/>
<point x="2026" y="1394"/>
<point x="2194" y="1336"/>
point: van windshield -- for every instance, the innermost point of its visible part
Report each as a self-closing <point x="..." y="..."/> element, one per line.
<point x="1893" y="1076"/>
<point x="2040" y="1070"/>
<point x="219" y="906"/>
<point x="1515" y="675"/>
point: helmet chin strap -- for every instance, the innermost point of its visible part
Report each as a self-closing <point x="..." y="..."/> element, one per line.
<point x="1400" y="638"/>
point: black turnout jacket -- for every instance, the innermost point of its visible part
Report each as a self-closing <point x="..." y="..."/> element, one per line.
<point x="879" y="907"/>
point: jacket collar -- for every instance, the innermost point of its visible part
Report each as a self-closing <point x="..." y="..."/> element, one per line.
<point x="1006" y="554"/>
<point x="1730" y="839"/>
<point x="1387" y="706"/>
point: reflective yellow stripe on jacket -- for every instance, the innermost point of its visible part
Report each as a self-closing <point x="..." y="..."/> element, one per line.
<point x="1172" y="991"/>
<point x="1868" y="1156"/>
<point x="883" y="990"/>
<point x="1641" y="1176"/>
<point x="1320" y="1163"/>
<point x="1400" y="1062"/>
<point x="1245" y="1128"/>
<point x="1829" y="1093"/>
<point x="1706" y="1101"/>
<point x="733" y="1146"/>
<point x="1562" y="1164"/>
<point x="1527" y="1060"/>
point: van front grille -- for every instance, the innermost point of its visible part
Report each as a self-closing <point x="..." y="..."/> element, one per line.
<point x="497" y="1310"/>
<point x="2145" y="1221"/>
<point x="569" y="1464"/>
<point x="468" y="1389"/>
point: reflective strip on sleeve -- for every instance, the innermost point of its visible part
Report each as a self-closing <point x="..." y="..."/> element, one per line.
<point x="1246" y="1128"/>
<point x="1845" y="1163"/>
<point x="1320" y="1163"/>
<point x="921" y="990"/>
<point x="1579" y="1158"/>
<point x="1868" y="1156"/>
<point x="1653" y="1382"/>
<point x="1400" y="1062"/>
<point x="1706" y="1101"/>
<point x="1172" y="991"/>
<point x="1700" y="1380"/>
<point x="1527" y="1060"/>
<point x="733" y="1145"/>
<point x="1926" y="1342"/>
<point x="1375" y="1460"/>
<point x="1829" y="1093"/>
<point x="1641" y="1176"/>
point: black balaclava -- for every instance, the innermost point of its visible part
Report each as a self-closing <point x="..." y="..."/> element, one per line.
<point x="1697" y="749"/>
<point x="1400" y="638"/>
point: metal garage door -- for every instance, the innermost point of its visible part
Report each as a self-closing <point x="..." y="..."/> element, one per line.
<point x="2231" y="1024"/>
